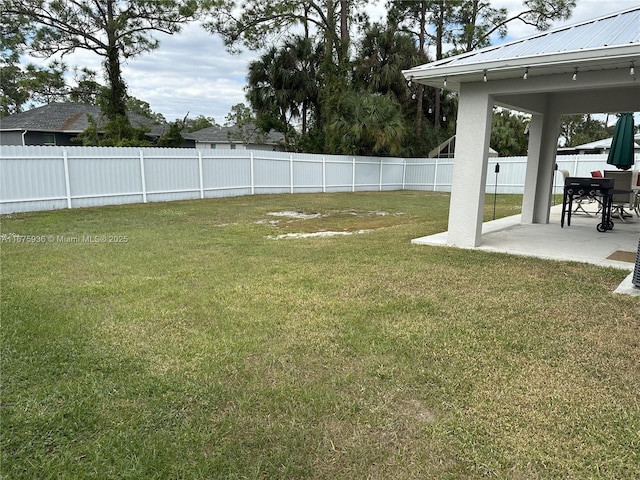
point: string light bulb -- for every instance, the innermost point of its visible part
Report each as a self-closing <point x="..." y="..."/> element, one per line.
<point x="632" y="71"/>
<point x="575" y="74"/>
<point x="526" y="73"/>
<point x="484" y="75"/>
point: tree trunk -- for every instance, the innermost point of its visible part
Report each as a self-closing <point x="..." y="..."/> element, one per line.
<point x="116" y="101"/>
<point x="419" y="100"/>
<point x="439" y="41"/>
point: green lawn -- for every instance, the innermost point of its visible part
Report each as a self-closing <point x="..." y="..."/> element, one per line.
<point x="201" y="346"/>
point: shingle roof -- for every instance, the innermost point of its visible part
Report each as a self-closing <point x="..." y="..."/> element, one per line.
<point x="249" y="133"/>
<point x="611" y="41"/>
<point x="67" y="117"/>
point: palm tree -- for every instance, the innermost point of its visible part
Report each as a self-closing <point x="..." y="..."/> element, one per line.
<point x="283" y="84"/>
<point x="366" y="124"/>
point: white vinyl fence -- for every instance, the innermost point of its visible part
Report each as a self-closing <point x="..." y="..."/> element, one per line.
<point x="47" y="178"/>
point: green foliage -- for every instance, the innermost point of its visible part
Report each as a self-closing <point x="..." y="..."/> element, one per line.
<point x="114" y="133"/>
<point x="283" y="85"/>
<point x="140" y="107"/>
<point x="240" y="115"/>
<point x="173" y="136"/>
<point x="581" y="129"/>
<point x="112" y="29"/>
<point x="508" y="133"/>
<point x="30" y="84"/>
<point x="198" y="123"/>
<point x="366" y="123"/>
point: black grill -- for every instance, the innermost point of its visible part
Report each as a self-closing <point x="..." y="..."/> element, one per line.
<point x="598" y="189"/>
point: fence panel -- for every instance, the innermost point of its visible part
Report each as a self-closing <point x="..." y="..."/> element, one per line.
<point x="43" y="178"/>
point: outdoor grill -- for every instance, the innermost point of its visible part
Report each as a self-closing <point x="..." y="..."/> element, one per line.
<point x="583" y="188"/>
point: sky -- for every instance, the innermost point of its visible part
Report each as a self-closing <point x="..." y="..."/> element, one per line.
<point x="192" y="73"/>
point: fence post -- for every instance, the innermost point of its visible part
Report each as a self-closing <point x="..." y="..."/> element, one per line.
<point x="404" y="173"/>
<point x="324" y="175"/>
<point x="201" y="174"/>
<point x="381" y="165"/>
<point x="435" y="175"/>
<point x="291" y="173"/>
<point x="67" y="183"/>
<point x="142" y="178"/>
<point x="253" y="188"/>
<point x="353" y="174"/>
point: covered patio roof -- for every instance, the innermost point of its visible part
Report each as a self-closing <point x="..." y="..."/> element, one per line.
<point x="589" y="67"/>
<point x="609" y="42"/>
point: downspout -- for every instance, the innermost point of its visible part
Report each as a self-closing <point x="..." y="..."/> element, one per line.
<point x="23" y="134"/>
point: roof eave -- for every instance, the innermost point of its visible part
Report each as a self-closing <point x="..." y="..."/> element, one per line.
<point x="430" y="74"/>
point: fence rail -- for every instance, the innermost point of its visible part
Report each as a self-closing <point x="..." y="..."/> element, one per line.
<point x="46" y="178"/>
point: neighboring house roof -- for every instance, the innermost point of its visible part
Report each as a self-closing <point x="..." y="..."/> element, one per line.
<point x="612" y="39"/>
<point x="247" y="134"/>
<point x="68" y="118"/>
<point x="604" y="144"/>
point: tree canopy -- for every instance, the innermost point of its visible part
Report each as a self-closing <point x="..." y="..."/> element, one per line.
<point x="112" y="29"/>
<point x="318" y="60"/>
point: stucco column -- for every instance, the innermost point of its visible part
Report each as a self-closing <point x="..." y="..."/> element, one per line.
<point x="541" y="159"/>
<point x="473" y="132"/>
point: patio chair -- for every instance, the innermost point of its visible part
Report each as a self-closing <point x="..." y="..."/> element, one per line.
<point x="579" y="207"/>
<point x="623" y="195"/>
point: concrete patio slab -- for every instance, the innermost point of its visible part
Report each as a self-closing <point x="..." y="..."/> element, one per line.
<point x="580" y="242"/>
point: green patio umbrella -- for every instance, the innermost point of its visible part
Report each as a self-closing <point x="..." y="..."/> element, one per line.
<point x="622" y="144"/>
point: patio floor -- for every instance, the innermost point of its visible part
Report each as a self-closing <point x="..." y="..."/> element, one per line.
<point x="580" y="242"/>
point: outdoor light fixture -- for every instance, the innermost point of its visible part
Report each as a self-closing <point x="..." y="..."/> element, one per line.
<point x="430" y="110"/>
<point x="445" y="80"/>
<point x="632" y="70"/>
<point x="484" y="75"/>
<point x="409" y="82"/>
<point x="575" y="74"/>
<point x="526" y="73"/>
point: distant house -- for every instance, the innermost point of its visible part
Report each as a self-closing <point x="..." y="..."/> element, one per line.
<point x="447" y="149"/>
<point x="60" y="124"/>
<point x="247" y="137"/>
<point x="597" y="147"/>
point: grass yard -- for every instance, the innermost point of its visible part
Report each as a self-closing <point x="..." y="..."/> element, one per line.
<point x="209" y="343"/>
